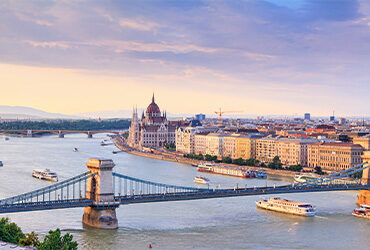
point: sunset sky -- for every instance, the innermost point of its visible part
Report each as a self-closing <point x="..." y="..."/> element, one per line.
<point x="263" y="57"/>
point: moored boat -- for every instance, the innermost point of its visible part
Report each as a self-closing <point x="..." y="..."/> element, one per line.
<point x="260" y="174"/>
<point x="45" y="174"/>
<point x="1" y="164"/>
<point x="287" y="206"/>
<point x="201" y="180"/>
<point x="225" y="170"/>
<point x="362" y="212"/>
<point x="305" y="177"/>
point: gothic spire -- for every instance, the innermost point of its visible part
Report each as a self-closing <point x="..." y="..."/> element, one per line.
<point x="153" y="98"/>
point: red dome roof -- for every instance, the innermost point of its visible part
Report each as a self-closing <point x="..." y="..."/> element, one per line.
<point x="153" y="108"/>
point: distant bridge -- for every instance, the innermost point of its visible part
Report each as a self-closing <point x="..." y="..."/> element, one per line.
<point x="101" y="191"/>
<point x="60" y="133"/>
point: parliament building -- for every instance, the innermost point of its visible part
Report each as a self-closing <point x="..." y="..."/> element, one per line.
<point x="152" y="131"/>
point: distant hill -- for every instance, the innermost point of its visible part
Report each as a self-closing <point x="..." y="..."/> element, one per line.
<point x="21" y="112"/>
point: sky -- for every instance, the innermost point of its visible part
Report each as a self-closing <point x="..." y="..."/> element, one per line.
<point x="265" y="57"/>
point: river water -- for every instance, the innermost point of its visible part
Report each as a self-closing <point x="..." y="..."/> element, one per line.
<point x="225" y="223"/>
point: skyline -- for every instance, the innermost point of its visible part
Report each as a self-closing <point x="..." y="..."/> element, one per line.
<point x="262" y="57"/>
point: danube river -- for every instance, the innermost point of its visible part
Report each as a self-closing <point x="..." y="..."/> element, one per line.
<point x="227" y="223"/>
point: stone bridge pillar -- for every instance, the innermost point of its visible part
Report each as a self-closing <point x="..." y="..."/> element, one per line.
<point x="364" y="196"/>
<point x="60" y="134"/>
<point x="29" y="133"/>
<point x="102" y="214"/>
<point x="89" y="134"/>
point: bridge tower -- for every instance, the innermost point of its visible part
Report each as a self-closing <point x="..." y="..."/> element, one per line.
<point x="89" y="134"/>
<point x="364" y="196"/>
<point x="60" y="134"/>
<point x="29" y="133"/>
<point x="102" y="214"/>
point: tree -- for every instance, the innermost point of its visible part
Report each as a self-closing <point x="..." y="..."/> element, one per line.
<point x="276" y="163"/>
<point x="208" y="157"/>
<point x="32" y="239"/>
<point x="319" y="171"/>
<point x="239" y="161"/>
<point x="54" y="240"/>
<point x="297" y="168"/>
<point x="10" y="232"/>
<point x="226" y="160"/>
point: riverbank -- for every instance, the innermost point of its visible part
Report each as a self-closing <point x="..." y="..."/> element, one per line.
<point x="176" y="157"/>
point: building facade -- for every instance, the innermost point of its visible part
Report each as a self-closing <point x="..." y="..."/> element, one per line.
<point x="363" y="141"/>
<point x="334" y="156"/>
<point x="246" y="147"/>
<point x="153" y="130"/>
<point x="200" y="143"/>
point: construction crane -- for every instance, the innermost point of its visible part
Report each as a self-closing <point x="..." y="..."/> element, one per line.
<point x="224" y="112"/>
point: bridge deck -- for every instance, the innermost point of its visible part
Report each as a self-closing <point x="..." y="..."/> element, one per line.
<point x="234" y="192"/>
<point x="44" y="205"/>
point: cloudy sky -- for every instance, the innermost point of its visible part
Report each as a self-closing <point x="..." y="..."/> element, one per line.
<point x="262" y="57"/>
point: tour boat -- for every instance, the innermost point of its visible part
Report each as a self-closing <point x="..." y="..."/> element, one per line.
<point x="287" y="206"/>
<point x="225" y="170"/>
<point x="201" y="180"/>
<point x="362" y="212"/>
<point x="45" y="174"/>
<point x="261" y="174"/>
<point x="1" y="164"/>
<point x="75" y="149"/>
<point x="305" y="177"/>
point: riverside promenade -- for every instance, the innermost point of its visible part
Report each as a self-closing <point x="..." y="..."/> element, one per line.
<point x="177" y="157"/>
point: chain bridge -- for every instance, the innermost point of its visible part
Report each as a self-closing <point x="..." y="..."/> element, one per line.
<point x="100" y="191"/>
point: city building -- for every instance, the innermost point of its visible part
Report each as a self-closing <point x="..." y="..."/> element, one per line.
<point x="364" y="141"/>
<point x="200" y="143"/>
<point x="185" y="136"/>
<point x="214" y="144"/>
<point x="153" y="130"/>
<point x="291" y="151"/>
<point x="266" y="149"/>
<point x="307" y="116"/>
<point x="229" y="146"/>
<point x="245" y="147"/>
<point x="200" y="117"/>
<point x="334" y="156"/>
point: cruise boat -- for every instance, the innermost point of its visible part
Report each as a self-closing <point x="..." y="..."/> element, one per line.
<point x="362" y="212"/>
<point x="305" y="177"/>
<point x="225" y="170"/>
<point x="260" y="174"/>
<point x="45" y="174"/>
<point x="201" y="180"/>
<point x="287" y="206"/>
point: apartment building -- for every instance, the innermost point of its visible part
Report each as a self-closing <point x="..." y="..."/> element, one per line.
<point x="185" y="142"/>
<point x="229" y="146"/>
<point x="293" y="151"/>
<point x="334" y="156"/>
<point x="245" y="147"/>
<point x="214" y="144"/>
<point x="266" y="149"/>
<point x="363" y="141"/>
<point x="200" y="143"/>
<point x="290" y="151"/>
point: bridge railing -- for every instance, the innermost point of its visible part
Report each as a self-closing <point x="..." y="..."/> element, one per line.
<point x="124" y="185"/>
<point x="70" y="189"/>
<point x="338" y="177"/>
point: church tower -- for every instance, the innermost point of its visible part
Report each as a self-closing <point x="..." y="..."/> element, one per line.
<point x="134" y="130"/>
